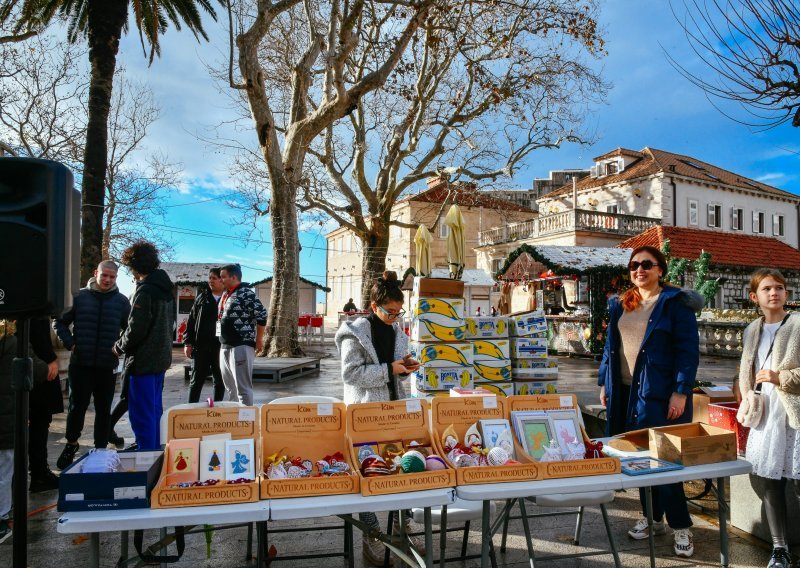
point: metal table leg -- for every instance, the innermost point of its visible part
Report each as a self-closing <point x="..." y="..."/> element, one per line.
<point x="527" y="529"/>
<point x="163" y="534"/>
<point x="486" y="533"/>
<point x="348" y="543"/>
<point x="123" y="548"/>
<point x="648" y="496"/>
<point x="94" y="550"/>
<point x="443" y="536"/>
<point x="428" y="538"/>
<point x="723" y="522"/>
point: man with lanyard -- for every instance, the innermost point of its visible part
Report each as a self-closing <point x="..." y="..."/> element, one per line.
<point x="201" y="342"/>
<point x="240" y="328"/>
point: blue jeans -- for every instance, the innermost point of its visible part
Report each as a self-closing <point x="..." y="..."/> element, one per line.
<point x="145" y="408"/>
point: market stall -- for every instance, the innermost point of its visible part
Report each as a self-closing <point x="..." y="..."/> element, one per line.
<point x="571" y="285"/>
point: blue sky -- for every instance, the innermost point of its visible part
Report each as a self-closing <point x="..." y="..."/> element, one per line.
<point x="650" y="104"/>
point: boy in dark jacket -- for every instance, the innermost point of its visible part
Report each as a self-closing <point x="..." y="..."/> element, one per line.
<point x="201" y="342"/>
<point x="8" y="350"/>
<point x="89" y="329"/>
<point x="147" y="342"/>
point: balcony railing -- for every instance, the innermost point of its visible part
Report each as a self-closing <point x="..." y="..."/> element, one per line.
<point x="566" y="222"/>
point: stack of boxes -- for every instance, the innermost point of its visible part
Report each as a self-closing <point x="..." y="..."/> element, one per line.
<point x="438" y="333"/>
<point x="491" y="362"/>
<point x="531" y="370"/>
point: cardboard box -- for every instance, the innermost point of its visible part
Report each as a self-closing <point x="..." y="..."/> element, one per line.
<point x="428" y="378"/>
<point x="126" y="489"/>
<point x="406" y="420"/>
<point x="524" y="388"/>
<point x="710" y="395"/>
<point x="534" y="364"/>
<point x="451" y="354"/>
<point x="560" y="469"/>
<point x="527" y="373"/>
<point x="428" y="394"/>
<point x="310" y="431"/>
<point x="486" y="327"/>
<point x="497" y="389"/>
<point x="491" y="350"/>
<point x="477" y="391"/>
<point x="528" y="323"/>
<point x="241" y="422"/>
<point x="462" y="412"/>
<point x="528" y="348"/>
<point x="438" y="319"/>
<point x="437" y="288"/>
<point x="692" y="444"/>
<point x="493" y="371"/>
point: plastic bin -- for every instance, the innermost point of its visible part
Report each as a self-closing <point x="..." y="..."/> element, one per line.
<point x="723" y="415"/>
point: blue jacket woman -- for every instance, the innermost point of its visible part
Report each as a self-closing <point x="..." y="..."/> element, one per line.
<point x="667" y="363"/>
<point x="647" y="374"/>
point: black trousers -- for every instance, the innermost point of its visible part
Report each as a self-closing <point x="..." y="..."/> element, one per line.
<point x="205" y="361"/>
<point x="45" y="400"/>
<point x="85" y="383"/>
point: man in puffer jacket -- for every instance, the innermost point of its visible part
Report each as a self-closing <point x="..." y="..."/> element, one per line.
<point x="89" y="329"/>
<point x="147" y="342"/>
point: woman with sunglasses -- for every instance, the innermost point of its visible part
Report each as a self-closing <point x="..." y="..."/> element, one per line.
<point x="374" y="351"/>
<point x="647" y="374"/>
<point x="771" y="366"/>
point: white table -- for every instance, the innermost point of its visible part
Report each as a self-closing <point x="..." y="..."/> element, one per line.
<point x="346" y="505"/>
<point x="520" y="490"/>
<point x="95" y="522"/>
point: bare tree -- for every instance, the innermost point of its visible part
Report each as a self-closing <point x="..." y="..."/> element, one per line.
<point x="752" y="48"/>
<point x="293" y="70"/>
<point x="480" y="88"/>
<point x="43" y="114"/>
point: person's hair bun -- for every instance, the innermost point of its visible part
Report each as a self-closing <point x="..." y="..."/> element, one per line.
<point x="389" y="275"/>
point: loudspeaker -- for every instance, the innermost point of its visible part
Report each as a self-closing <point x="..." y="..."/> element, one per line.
<point x="39" y="236"/>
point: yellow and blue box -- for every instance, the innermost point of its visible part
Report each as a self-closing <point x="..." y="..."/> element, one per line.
<point x="428" y="378"/>
<point x="531" y="369"/>
<point x="530" y="323"/>
<point x="438" y="319"/>
<point x="528" y="348"/>
<point x="535" y="387"/>
<point x="495" y="371"/>
<point x="491" y="350"/>
<point x="486" y="327"/>
<point x="455" y="354"/>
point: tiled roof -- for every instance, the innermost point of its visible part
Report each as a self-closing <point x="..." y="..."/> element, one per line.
<point x="727" y="249"/>
<point x="652" y="161"/>
<point x="466" y="195"/>
<point x="189" y="272"/>
<point x="305" y="280"/>
<point x="470" y="276"/>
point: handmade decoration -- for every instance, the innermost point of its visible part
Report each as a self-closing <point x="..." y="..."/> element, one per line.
<point x="552" y="452"/>
<point x="473" y="437"/>
<point x="594" y="449"/>
<point x="434" y="463"/>
<point x="497" y="456"/>
<point x="412" y="462"/>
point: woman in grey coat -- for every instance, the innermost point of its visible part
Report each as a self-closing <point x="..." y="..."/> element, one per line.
<point x="374" y="351"/>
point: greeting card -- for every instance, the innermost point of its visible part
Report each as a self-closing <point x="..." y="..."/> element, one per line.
<point x="240" y="459"/>
<point x="182" y="460"/>
<point x="212" y="459"/>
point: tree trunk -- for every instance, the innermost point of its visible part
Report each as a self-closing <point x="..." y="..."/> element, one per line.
<point x="281" y="332"/>
<point x="105" y="21"/>
<point x="374" y="260"/>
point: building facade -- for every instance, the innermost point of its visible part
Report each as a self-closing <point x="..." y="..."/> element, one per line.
<point x="481" y="210"/>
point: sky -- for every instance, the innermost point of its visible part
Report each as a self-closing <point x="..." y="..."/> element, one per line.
<point x="650" y="104"/>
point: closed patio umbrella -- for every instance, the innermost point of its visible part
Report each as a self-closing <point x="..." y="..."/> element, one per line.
<point x="456" y="245"/>
<point x="423" y="240"/>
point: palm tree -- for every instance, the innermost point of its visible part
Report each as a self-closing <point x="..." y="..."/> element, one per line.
<point x="103" y="22"/>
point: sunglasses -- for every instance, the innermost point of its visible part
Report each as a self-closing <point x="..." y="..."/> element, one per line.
<point x="645" y="264"/>
<point x="392" y="315"/>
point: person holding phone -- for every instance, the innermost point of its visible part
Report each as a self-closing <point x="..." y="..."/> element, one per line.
<point x="374" y="351"/>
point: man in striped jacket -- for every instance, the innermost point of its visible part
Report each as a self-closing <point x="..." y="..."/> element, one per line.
<point x="240" y="328"/>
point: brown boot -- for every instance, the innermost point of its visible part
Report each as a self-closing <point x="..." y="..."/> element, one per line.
<point x="373" y="550"/>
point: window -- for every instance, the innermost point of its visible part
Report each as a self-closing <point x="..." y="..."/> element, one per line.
<point x="443" y="230"/>
<point x="737" y="219"/>
<point x="612" y="208"/>
<point x="611" y="168"/>
<point x="777" y="225"/>
<point x="758" y="222"/>
<point x="714" y="215"/>
<point x="497" y="264"/>
<point x="693" y="208"/>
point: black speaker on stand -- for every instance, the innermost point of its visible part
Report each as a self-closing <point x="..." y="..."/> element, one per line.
<point x="40" y="240"/>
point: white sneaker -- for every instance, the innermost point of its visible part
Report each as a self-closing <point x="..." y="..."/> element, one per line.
<point x="373" y="550"/>
<point x="684" y="546"/>
<point x="641" y="531"/>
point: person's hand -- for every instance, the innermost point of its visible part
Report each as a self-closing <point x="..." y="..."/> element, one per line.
<point x="603" y="397"/>
<point x="259" y="344"/>
<point x="116" y="351"/>
<point x="767" y="376"/>
<point x="677" y="405"/>
<point x="52" y="370"/>
<point x="187" y="350"/>
<point x="399" y="367"/>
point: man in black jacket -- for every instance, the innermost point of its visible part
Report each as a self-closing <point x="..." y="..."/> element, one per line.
<point x="89" y="329"/>
<point x="200" y="342"/>
<point x="147" y="342"/>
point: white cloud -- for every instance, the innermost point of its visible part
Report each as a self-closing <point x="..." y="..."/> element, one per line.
<point x="773" y="176"/>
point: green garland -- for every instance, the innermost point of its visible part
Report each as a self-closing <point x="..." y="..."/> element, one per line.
<point x="600" y="283"/>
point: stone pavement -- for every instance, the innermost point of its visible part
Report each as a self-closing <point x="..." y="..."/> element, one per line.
<point x="552" y="534"/>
